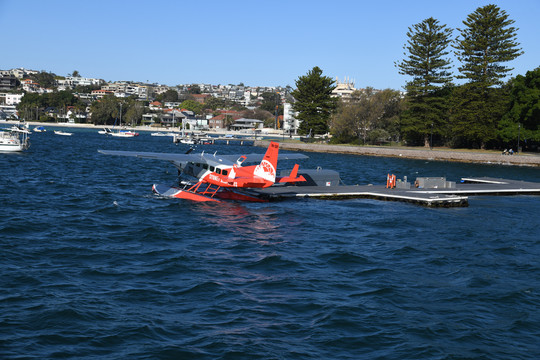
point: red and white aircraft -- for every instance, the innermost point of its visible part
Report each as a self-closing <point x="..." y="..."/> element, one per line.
<point x="220" y="176"/>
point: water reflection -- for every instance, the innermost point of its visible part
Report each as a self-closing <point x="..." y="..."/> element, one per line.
<point x="258" y="222"/>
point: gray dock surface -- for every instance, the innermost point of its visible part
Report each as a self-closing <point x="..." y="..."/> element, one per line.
<point x="431" y="197"/>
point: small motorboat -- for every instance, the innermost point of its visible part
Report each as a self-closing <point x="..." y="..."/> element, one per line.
<point x="105" y="131"/>
<point x="39" y="129"/>
<point x="63" y="133"/>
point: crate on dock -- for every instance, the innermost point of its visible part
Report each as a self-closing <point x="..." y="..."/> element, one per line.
<point x="434" y="183"/>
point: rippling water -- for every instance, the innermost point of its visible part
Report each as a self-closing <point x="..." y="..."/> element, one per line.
<point x="94" y="266"/>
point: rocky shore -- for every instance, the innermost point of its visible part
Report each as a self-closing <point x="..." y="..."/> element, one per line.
<point x="424" y="154"/>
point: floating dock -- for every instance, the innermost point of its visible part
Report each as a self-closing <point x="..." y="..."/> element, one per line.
<point x="232" y="141"/>
<point x="442" y="194"/>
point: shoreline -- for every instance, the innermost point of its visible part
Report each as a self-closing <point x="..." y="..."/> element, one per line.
<point x="532" y="160"/>
<point x="418" y="154"/>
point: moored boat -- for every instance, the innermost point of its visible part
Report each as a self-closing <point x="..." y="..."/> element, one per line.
<point x="39" y="129"/>
<point x="105" y="131"/>
<point x="12" y="140"/>
<point x="63" y="133"/>
<point x="124" y="133"/>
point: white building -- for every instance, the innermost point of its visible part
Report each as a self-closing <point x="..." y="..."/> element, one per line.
<point x="290" y="123"/>
<point x="344" y="89"/>
<point x="21" y="72"/>
<point x="10" y="99"/>
<point x="72" y="81"/>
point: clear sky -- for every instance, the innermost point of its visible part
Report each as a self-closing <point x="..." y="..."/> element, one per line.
<point x="258" y="43"/>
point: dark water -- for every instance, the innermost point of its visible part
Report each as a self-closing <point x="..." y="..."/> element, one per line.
<point x="93" y="266"/>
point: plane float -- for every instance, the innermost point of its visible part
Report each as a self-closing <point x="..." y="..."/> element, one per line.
<point x="221" y="176"/>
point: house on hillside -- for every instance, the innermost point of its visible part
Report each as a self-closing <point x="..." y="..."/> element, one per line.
<point x="8" y="82"/>
<point x="201" y="98"/>
<point x="224" y="120"/>
<point x="155" y="105"/>
<point x="247" y="124"/>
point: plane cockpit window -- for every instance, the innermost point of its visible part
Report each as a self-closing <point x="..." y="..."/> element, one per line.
<point x="218" y="170"/>
<point x="205" y="166"/>
<point x="224" y="172"/>
<point x="211" y="168"/>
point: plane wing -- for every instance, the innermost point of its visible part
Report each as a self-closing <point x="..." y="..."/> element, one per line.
<point x="225" y="159"/>
<point x="153" y="155"/>
<point x="259" y="157"/>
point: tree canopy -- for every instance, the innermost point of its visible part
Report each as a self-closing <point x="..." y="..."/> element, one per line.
<point x="44" y="79"/>
<point x="314" y="101"/>
<point x="271" y="100"/>
<point x="485" y="43"/>
<point x="427" y="64"/>
<point x="523" y="118"/>
<point x="369" y="117"/>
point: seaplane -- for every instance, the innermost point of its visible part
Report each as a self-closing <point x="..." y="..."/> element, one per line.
<point x="221" y="177"/>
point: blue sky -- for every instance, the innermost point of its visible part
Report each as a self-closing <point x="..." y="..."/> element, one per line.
<point x="257" y="43"/>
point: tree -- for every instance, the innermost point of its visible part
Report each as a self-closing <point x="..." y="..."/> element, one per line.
<point x="214" y="103"/>
<point x="44" y="79"/>
<point x="75" y="74"/>
<point x="192" y="105"/>
<point x="170" y="96"/>
<point x="370" y="117"/>
<point x="343" y="122"/>
<point x="59" y="100"/>
<point x="523" y="118"/>
<point x="134" y="112"/>
<point x="270" y="101"/>
<point x="105" y="111"/>
<point x="314" y="101"/>
<point x="485" y="43"/>
<point x="427" y="64"/>
<point x="258" y="114"/>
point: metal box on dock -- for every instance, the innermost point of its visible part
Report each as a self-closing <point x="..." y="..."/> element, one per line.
<point x="434" y="183"/>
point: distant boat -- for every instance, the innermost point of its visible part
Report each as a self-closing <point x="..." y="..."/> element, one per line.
<point x="63" y="133"/>
<point x="39" y="129"/>
<point x="14" y="139"/>
<point x="105" y="131"/>
<point x="122" y="132"/>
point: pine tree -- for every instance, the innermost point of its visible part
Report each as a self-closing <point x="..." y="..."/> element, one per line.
<point x="483" y="46"/>
<point x="314" y="101"/>
<point x="426" y="62"/>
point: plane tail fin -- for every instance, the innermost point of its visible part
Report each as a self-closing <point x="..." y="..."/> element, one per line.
<point x="267" y="168"/>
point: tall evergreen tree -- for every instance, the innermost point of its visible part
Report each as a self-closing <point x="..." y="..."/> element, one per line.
<point x="314" y="101"/>
<point x="485" y="43"/>
<point x="427" y="64"/>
